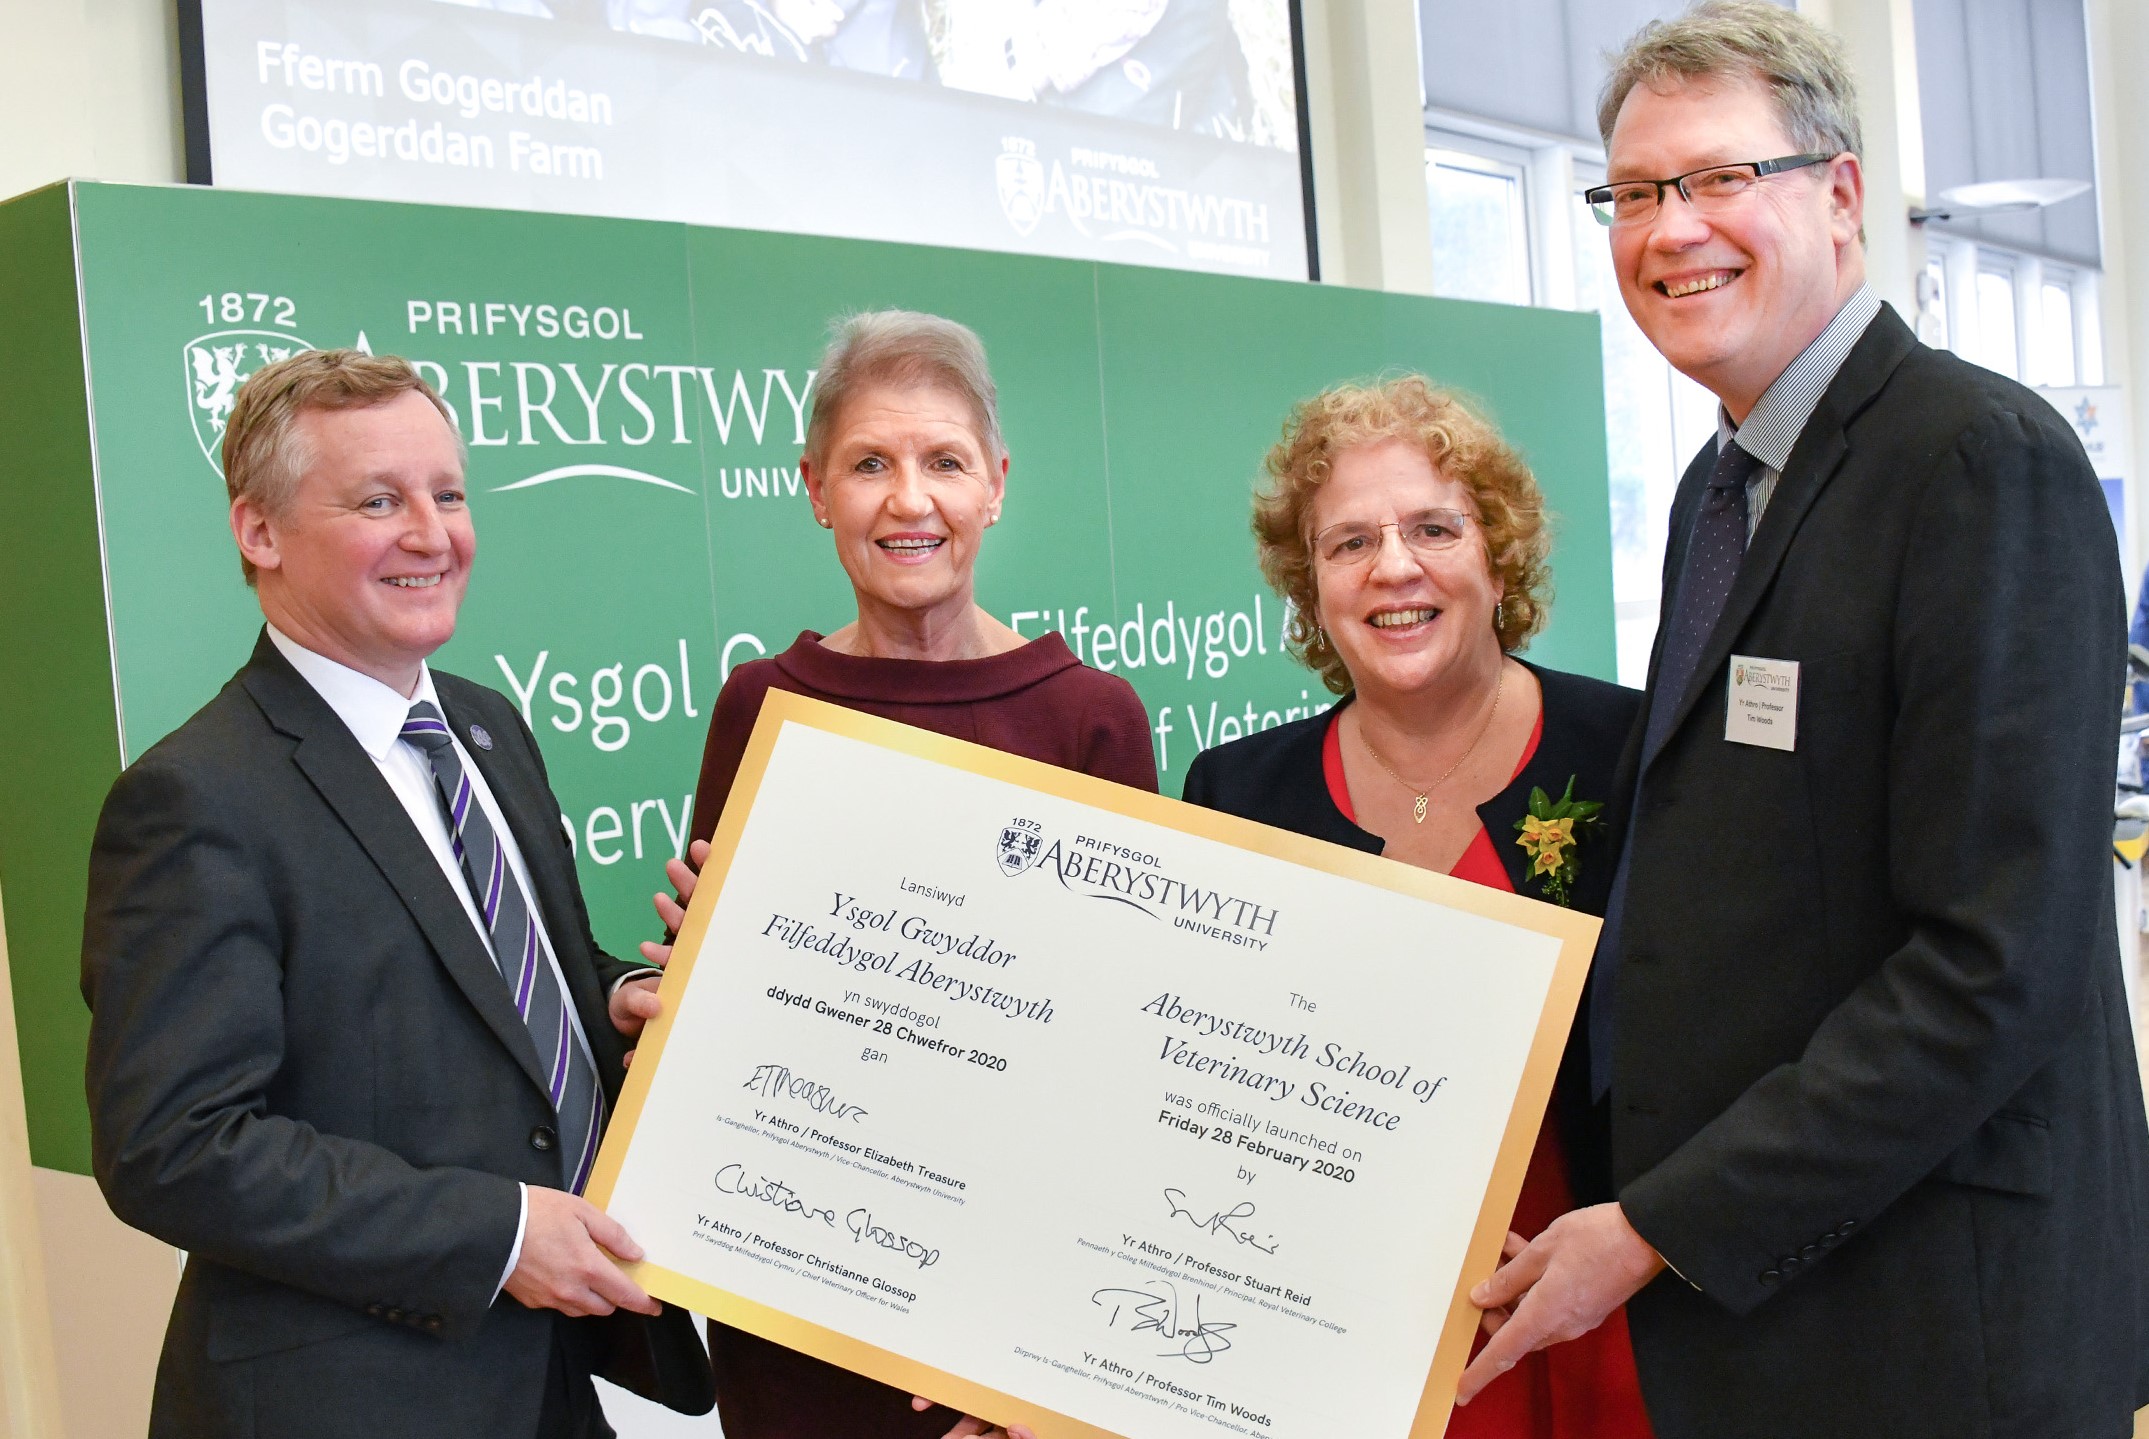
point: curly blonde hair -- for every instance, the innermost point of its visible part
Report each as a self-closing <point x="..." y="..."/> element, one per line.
<point x="1459" y="442"/>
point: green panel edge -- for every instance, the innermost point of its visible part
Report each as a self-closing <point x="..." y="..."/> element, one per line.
<point x="59" y="727"/>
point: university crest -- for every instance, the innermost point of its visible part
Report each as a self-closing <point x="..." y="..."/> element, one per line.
<point x="1022" y="184"/>
<point x="1019" y="846"/>
<point x="214" y="367"/>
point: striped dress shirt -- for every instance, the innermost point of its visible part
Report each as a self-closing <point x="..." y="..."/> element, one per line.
<point x="1780" y="416"/>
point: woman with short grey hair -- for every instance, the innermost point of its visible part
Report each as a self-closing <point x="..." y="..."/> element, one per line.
<point x="905" y="347"/>
<point x="906" y="468"/>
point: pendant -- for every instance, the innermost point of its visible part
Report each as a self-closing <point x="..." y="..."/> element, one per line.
<point x="1418" y="810"/>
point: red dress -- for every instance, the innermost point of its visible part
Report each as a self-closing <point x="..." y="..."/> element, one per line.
<point x="1586" y="1388"/>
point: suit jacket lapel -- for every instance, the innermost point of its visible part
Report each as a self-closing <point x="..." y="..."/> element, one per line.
<point x="1554" y="763"/>
<point x="1821" y="449"/>
<point x="1678" y="532"/>
<point x="1632" y="760"/>
<point x="1505" y="810"/>
<point x="347" y="779"/>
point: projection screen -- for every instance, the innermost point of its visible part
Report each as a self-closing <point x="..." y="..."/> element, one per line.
<point x="1156" y="132"/>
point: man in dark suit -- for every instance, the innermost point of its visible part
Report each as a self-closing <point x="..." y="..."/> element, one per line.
<point x="1857" y="1019"/>
<point x="350" y="1046"/>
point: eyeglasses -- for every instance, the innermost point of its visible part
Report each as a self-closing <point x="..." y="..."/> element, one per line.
<point x="1354" y="542"/>
<point x="1636" y="202"/>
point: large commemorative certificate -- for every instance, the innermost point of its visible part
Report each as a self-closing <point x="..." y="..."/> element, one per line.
<point x="1073" y="1106"/>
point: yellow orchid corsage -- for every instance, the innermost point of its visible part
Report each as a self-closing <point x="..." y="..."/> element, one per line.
<point x="1551" y="833"/>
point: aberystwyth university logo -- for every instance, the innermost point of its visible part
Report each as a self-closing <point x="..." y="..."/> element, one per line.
<point x="1022" y="184"/>
<point x="1098" y="868"/>
<point x="1020" y="843"/>
<point x="214" y="366"/>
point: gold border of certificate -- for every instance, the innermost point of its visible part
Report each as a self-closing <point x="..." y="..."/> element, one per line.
<point x="1577" y="934"/>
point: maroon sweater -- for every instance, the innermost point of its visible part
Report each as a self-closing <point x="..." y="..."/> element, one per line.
<point x="1038" y="701"/>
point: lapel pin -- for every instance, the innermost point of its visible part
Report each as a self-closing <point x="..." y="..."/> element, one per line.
<point x="479" y="737"/>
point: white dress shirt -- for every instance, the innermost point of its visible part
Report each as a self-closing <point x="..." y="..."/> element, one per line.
<point x="374" y="713"/>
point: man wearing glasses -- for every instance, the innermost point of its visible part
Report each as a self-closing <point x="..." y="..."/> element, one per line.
<point x="1879" y="1161"/>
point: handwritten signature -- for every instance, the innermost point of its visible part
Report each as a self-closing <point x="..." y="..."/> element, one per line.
<point x="866" y="1230"/>
<point x="863" y="1226"/>
<point x="731" y="1179"/>
<point x="1222" y="1222"/>
<point x="776" y="1081"/>
<point x="1154" y="1308"/>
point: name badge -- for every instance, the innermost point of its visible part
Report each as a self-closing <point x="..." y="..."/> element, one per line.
<point x="1763" y="704"/>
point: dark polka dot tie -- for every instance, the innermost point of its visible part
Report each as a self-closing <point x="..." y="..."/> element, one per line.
<point x="1713" y="555"/>
<point x="1712" y="565"/>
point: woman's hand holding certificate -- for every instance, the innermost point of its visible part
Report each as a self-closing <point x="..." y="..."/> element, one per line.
<point x="1078" y="1108"/>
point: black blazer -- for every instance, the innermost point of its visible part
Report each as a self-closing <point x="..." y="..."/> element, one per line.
<point x="305" y="1071"/>
<point x="1274" y="776"/>
<point x="1874" y="1088"/>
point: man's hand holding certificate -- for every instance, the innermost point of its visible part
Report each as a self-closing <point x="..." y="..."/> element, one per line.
<point x="1080" y="1108"/>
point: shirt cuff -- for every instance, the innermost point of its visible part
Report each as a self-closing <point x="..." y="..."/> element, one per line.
<point x="522" y="1225"/>
<point x="1661" y="1255"/>
<point x="1675" y="1272"/>
<point x="633" y="974"/>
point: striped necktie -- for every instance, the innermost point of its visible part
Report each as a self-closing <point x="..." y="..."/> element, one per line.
<point x="511" y="927"/>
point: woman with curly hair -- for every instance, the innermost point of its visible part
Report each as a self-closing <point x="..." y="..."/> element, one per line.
<point x="1410" y="540"/>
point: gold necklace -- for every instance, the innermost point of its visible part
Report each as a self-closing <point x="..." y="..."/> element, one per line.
<point x="1417" y="811"/>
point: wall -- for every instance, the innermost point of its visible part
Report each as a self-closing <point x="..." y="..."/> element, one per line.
<point x="89" y="88"/>
<point x="1364" y="103"/>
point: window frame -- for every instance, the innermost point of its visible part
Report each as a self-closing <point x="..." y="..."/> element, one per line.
<point x="1484" y="156"/>
<point x="1962" y="259"/>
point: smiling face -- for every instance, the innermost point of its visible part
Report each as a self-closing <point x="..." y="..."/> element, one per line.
<point x="1403" y="623"/>
<point x="908" y="487"/>
<point x="367" y="562"/>
<point x="1731" y="297"/>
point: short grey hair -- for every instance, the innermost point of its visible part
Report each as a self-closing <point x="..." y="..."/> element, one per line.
<point x="1802" y="65"/>
<point x="903" y="347"/>
<point x="267" y="452"/>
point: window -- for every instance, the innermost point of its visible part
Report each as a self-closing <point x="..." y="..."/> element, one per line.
<point x="2031" y="318"/>
<point x="1480" y="220"/>
<point x="2054" y="352"/>
<point x="1994" y="337"/>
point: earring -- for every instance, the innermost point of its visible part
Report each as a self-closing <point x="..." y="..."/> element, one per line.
<point x="821" y="520"/>
<point x="1499" y="614"/>
<point x="1320" y="638"/>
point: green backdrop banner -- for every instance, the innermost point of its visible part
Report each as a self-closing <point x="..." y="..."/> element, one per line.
<point x="634" y="396"/>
